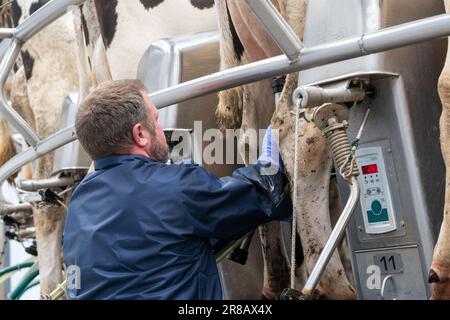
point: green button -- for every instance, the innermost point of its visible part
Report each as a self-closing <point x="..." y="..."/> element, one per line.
<point x="376" y="207"/>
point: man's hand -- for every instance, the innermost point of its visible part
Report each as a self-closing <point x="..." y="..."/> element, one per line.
<point x="270" y="152"/>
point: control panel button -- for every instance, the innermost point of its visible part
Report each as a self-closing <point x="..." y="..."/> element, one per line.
<point x="376" y="207"/>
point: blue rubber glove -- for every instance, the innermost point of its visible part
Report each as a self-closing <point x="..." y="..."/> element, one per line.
<point x="270" y="153"/>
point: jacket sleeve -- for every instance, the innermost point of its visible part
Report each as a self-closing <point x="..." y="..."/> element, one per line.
<point x="228" y="208"/>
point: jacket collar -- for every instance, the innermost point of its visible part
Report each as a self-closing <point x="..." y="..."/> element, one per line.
<point x="114" y="160"/>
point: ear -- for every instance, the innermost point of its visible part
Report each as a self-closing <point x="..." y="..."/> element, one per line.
<point x="140" y="137"/>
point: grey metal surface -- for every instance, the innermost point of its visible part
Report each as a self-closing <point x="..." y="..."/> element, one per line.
<point x="339" y="50"/>
<point x="404" y="122"/>
<point x="35" y="185"/>
<point x="404" y="283"/>
<point x="312" y="96"/>
<point x="9" y="209"/>
<point x="71" y="157"/>
<point x="277" y="27"/>
<point x="7" y="32"/>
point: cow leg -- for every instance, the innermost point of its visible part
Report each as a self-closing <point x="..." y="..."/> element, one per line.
<point x="102" y="71"/>
<point x="49" y="223"/>
<point x="7" y="148"/>
<point x="258" y="107"/>
<point x="312" y="199"/>
<point x="243" y="107"/>
<point x="440" y="269"/>
<point x="19" y="97"/>
<point x="276" y="268"/>
<point x="92" y="62"/>
<point x="229" y="108"/>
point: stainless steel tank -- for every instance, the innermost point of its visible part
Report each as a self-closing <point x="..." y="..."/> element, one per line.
<point x="402" y="175"/>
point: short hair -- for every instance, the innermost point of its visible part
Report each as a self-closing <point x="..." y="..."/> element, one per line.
<point x="105" y="119"/>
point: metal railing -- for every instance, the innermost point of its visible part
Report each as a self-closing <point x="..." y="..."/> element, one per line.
<point x="382" y="40"/>
<point x="295" y="58"/>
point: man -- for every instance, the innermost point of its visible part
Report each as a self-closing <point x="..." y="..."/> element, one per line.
<point x="138" y="228"/>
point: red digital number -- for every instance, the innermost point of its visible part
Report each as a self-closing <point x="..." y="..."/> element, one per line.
<point x="370" y="169"/>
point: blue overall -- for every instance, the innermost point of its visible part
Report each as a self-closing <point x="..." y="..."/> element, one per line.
<point x="141" y="229"/>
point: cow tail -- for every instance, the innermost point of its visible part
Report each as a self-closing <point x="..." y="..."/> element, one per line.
<point x="229" y="109"/>
<point x="7" y="147"/>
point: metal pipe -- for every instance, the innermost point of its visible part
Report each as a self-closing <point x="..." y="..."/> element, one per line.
<point x="35" y="185"/>
<point x="56" y="294"/>
<point x="35" y="23"/>
<point x="333" y="240"/>
<point x="10" y="209"/>
<point x="397" y="36"/>
<point x="312" y="96"/>
<point x="405" y="34"/>
<point x="43" y="17"/>
<point x="280" y="31"/>
<point x="6" y="32"/>
<point x="45" y="146"/>
<point x="5" y="109"/>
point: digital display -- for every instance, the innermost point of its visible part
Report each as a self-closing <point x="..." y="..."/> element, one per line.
<point x="369" y="169"/>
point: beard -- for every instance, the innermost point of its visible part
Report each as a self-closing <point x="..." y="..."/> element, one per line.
<point x="159" y="150"/>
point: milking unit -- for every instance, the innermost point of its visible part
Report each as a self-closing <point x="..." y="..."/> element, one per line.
<point x="401" y="173"/>
<point x="396" y="175"/>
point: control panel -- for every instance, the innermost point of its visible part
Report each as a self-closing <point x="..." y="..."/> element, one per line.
<point x="375" y="198"/>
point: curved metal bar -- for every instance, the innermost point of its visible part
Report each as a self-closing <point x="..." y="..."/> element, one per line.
<point x="43" y="17"/>
<point x="5" y="109"/>
<point x="10" y="209"/>
<point x="333" y="240"/>
<point x="383" y="286"/>
<point x="27" y="29"/>
<point x="280" y="31"/>
<point x="382" y="40"/>
<point x="35" y="23"/>
<point x="7" y="32"/>
<point x="55" y="182"/>
<point x="45" y="146"/>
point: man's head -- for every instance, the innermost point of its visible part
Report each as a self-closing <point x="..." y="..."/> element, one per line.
<point x="119" y="118"/>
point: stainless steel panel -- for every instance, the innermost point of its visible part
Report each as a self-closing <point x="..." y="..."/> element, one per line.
<point x="404" y="122"/>
<point x="72" y="156"/>
<point x="403" y="263"/>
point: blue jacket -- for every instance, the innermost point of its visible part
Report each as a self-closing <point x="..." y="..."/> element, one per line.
<point x="141" y="229"/>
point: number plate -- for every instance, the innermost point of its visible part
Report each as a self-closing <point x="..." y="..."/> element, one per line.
<point x="389" y="263"/>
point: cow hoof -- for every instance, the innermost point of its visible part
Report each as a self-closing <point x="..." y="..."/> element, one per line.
<point x="433" y="276"/>
<point x="440" y="278"/>
<point x="268" y="295"/>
